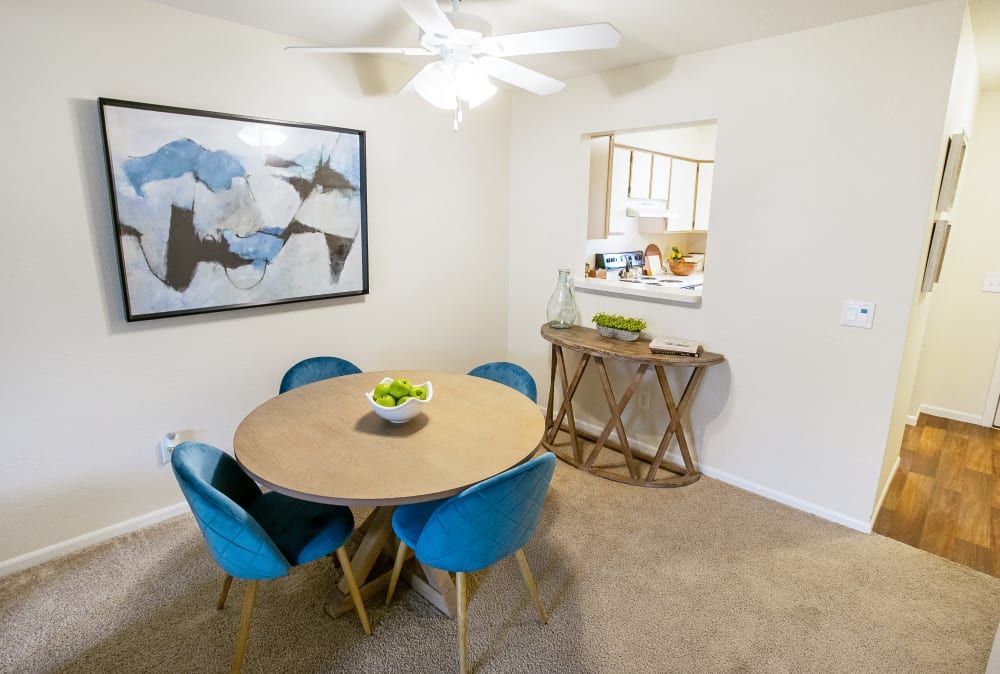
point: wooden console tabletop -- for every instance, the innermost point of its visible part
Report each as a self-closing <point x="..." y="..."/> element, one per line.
<point x="593" y="347"/>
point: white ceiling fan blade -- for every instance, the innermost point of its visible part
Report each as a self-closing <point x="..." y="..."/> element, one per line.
<point x="519" y="76"/>
<point x="405" y="51"/>
<point x="572" y="38"/>
<point x="429" y="16"/>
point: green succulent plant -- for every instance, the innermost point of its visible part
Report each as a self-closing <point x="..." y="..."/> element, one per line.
<point x="619" y="322"/>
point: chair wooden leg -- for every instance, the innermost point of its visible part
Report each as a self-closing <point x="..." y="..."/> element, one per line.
<point x="462" y="647"/>
<point x="397" y="568"/>
<point x="244" y="633"/>
<point x="352" y="585"/>
<point x="529" y="580"/>
<point x="221" y="604"/>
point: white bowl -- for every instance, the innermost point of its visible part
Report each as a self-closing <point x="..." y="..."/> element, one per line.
<point x="401" y="413"/>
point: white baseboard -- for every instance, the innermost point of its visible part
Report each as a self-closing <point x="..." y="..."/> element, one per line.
<point x="26" y="560"/>
<point x="885" y="490"/>
<point x="748" y="485"/>
<point x="911" y="419"/>
<point x="955" y="415"/>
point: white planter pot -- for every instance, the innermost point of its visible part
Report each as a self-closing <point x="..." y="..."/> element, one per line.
<point x="615" y="333"/>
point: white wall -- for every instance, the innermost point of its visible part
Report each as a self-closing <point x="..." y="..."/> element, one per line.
<point x="963" y="331"/>
<point x="826" y="158"/>
<point x="959" y="115"/>
<point x="84" y="395"/>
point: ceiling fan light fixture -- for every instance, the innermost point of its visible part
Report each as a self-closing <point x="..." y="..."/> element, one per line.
<point x="472" y="84"/>
<point x="435" y="83"/>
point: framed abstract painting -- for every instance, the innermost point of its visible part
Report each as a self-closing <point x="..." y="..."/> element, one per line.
<point x="215" y="211"/>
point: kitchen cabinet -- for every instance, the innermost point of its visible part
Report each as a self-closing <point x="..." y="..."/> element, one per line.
<point x="600" y="186"/>
<point x="659" y="182"/>
<point x="640" y="169"/>
<point x="618" y="201"/>
<point x="683" y="183"/>
<point x="609" y="176"/>
<point x="703" y="195"/>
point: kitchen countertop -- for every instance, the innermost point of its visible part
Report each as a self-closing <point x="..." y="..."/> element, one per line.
<point x="665" y="287"/>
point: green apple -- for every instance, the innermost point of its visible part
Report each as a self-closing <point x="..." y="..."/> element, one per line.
<point x="403" y="399"/>
<point x="380" y="390"/>
<point x="386" y="401"/>
<point x="400" y="387"/>
<point x="420" y="393"/>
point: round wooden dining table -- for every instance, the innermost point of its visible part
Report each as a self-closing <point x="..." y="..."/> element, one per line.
<point x="323" y="442"/>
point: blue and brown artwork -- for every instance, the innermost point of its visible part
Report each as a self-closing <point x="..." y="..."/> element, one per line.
<point x="218" y="212"/>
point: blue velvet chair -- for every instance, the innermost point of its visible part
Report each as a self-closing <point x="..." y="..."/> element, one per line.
<point x="257" y="536"/>
<point x="476" y="528"/>
<point x="314" y="369"/>
<point x="510" y="374"/>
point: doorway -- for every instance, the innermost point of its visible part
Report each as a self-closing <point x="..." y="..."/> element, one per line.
<point x="945" y="495"/>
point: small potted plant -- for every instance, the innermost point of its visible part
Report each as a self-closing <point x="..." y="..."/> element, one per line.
<point x="678" y="265"/>
<point x="619" y="327"/>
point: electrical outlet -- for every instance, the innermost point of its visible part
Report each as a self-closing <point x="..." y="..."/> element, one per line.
<point x="167" y="444"/>
<point x="643" y="400"/>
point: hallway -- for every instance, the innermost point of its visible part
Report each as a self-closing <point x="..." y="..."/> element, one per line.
<point x="945" y="497"/>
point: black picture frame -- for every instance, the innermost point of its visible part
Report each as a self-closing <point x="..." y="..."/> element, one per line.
<point x="215" y="211"/>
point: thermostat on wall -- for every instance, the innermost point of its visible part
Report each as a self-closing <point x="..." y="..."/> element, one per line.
<point x="857" y="314"/>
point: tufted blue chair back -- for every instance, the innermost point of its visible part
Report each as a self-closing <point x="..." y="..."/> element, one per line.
<point x="487" y="521"/>
<point x="315" y="369"/>
<point x="509" y="374"/>
<point x="219" y="492"/>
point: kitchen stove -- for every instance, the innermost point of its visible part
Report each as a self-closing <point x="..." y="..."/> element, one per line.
<point x="616" y="264"/>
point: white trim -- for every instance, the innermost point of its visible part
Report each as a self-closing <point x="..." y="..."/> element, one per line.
<point x="954" y="415"/>
<point x="911" y="419"/>
<point x="50" y="552"/>
<point x="885" y="490"/>
<point x="993" y="397"/>
<point x="788" y="500"/>
<point x="753" y="487"/>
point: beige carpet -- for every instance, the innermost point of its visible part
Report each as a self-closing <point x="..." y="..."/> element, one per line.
<point x="707" y="578"/>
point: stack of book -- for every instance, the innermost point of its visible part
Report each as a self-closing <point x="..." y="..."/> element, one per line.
<point x="676" y="347"/>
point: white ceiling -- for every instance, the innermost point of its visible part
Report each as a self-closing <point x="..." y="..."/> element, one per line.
<point x="651" y="29"/>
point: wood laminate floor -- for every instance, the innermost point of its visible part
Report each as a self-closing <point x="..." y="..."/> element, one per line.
<point x="945" y="497"/>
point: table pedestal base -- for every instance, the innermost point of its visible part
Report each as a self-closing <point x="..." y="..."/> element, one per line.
<point x="372" y="567"/>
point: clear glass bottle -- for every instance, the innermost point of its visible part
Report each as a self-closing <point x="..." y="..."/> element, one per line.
<point x="562" y="309"/>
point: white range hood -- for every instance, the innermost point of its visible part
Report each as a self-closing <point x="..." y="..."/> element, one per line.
<point x="649" y="211"/>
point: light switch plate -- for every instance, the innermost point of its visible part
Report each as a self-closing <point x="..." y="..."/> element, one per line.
<point x="991" y="284"/>
<point x="857" y="314"/>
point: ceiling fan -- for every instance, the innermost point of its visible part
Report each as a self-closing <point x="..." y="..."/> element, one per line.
<point x="469" y="55"/>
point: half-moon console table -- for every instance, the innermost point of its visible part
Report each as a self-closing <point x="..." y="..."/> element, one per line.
<point x="642" y="471"/>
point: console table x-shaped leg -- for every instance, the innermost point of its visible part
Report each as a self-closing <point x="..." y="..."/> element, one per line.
<point x="637" y="472"/>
